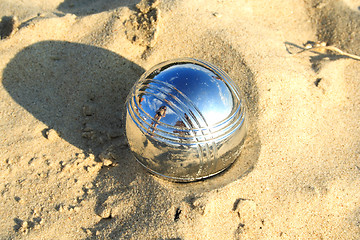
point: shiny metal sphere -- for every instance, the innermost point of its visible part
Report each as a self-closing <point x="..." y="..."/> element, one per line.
<point x="185" y="120"/>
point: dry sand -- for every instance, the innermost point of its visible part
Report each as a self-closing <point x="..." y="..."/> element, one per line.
<point x="67" y="173"/>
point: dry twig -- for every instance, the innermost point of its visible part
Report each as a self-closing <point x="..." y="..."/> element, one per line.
<point x="321" y="48"/>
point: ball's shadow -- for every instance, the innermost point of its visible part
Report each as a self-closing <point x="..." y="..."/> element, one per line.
<point x="87" y="7"/>
<point x="76" y="89"/>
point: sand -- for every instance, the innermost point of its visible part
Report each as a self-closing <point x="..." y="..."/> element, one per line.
<point x="66" y="171"/>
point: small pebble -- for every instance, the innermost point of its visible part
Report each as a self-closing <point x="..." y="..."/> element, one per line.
<point x="25" y="225"/>
<point x="88" y="135"/>
<point x="88" y="110"/>
<point x="216" y="14"/>
<point x="89" y="185"/>
<point x="105" y="156"/>
<point x="8" y="25"/>
<point x="106" y="213"/>
<point x="108" y="157"/>
<point x="35" y="213"/>
<point x="107" y="162"/>
<point x="51" y="134"/>
<point x="61" y="208"/>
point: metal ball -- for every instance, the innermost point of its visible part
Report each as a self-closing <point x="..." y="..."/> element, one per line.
<point x="185" y="120"/>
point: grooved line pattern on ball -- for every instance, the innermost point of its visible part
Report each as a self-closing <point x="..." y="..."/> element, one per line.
<point x="187" y="110"/>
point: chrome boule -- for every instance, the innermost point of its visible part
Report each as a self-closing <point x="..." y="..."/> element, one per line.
<point x="185" y="120"/>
